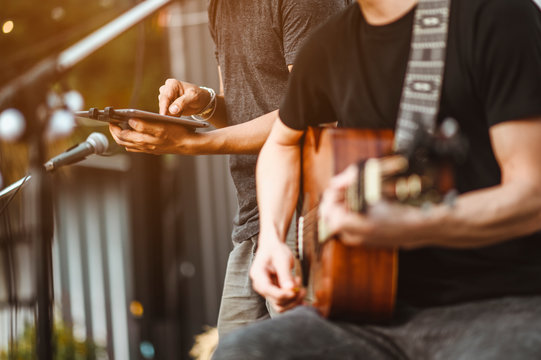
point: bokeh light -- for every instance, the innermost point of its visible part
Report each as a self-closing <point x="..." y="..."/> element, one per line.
<point x="8" y="27"/>
<point x="136" y="309"/>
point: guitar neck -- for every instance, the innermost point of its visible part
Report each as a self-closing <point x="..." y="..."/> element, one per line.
<point x="371" y="184"/>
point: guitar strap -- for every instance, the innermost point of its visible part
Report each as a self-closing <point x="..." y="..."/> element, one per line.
<point x="424" y="74"/>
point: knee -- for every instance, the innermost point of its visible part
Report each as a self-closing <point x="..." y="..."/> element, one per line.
<point x="236" y="345"/>
<point x="258" y="341"/>
<point x="268" y="339"/>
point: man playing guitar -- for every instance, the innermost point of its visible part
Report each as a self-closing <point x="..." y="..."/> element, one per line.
<point x="469" y="275"/>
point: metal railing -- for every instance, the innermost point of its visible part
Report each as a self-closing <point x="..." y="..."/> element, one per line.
<point x="91" y="265"/>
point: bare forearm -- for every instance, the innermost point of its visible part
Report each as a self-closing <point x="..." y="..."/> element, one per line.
<point x="158" y="138"/>
<point x="506" y="211"/>
<point x="479" y="218"/>
<point x="177" y="98"/>
<point x="486" y="217"/>
<point x="277" y="175"/>
<point x="245" y="138"/>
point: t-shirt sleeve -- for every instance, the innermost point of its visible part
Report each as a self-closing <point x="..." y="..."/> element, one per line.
<point x="300" y="18"/>
<point x="307" y="99"/>
<point x="507" y="55"/>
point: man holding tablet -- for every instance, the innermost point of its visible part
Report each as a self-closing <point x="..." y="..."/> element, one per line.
<point x="256" y="43"/>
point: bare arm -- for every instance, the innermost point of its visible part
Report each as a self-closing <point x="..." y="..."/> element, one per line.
<point x="277" y="175"/>
<point x="156" y="138"/>
<point x="480" y="218"/>
<point x="511" y="209"/>
<point x="176" y="98"/>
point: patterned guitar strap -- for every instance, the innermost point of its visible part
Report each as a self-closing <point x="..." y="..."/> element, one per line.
<point x="424" y="74"/>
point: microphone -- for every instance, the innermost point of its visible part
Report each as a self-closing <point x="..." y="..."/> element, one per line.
<point x="96" y="143"/>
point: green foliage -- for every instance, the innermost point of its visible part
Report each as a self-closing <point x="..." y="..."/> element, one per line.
<point x="66" y="347"/>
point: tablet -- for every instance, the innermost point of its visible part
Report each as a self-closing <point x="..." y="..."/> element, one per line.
<point x="117" y="116"/>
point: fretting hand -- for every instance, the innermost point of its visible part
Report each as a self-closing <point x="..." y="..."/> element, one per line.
<point x="385" y="224"/>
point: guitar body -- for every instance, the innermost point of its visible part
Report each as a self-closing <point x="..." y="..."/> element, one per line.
<point x="353" y="282"/>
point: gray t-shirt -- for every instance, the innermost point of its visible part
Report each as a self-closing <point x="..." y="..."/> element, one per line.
<point x="255" y="42"/>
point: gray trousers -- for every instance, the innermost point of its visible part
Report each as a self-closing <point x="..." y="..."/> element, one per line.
<point x="240" y="304"/>
<point x="506" y="328"/>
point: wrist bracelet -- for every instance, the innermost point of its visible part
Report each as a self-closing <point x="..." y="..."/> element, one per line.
<point x="208" y="111"/>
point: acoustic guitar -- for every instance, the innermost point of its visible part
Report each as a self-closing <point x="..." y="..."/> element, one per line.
<point x="356" y="282"/>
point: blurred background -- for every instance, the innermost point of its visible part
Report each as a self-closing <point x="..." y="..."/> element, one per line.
<point x="140" y="241"/>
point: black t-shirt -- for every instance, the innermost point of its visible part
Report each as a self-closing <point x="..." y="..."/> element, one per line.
<point x="255" y="41"/>
<point x="352" y="72"/>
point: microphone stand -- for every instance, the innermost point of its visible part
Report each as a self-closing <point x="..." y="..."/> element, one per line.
<point x="14" y="187"/>
<point x="28" y="93"/>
